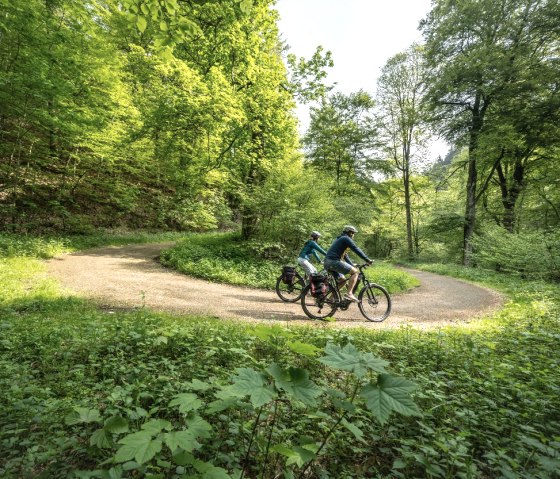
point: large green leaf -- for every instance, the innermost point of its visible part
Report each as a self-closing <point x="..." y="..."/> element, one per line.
<point x="389" y="394"/>
<point x="209" y="471"/>
<point x="197" y="385"/>
<point x="295" y="455"/>
<point x="302" y="348"/>
<point x="99" y="438"/>
<point x="198" y="426"/>
<point x="296" y="383"/>
<point x="186" y="440"/>
<point x="358" y="433"/>
<point x="221" y="405"/>
<point x="116" y="425"/>
<point x="348" y="358"/>
<point x="186" y="402"/>
<point x="249" y="382"/>
<point x="138" y="446"/>
<point x="155" y="426"/>
<point x="83" y="415"/>
<point x="141" y="23"/>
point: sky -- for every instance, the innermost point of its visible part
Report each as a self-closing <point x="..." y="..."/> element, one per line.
<point x="361" y="34"/>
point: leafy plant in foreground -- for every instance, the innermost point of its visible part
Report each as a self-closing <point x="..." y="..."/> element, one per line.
<point x="258" y="406"/>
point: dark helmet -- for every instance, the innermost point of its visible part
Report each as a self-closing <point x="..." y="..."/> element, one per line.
<point x="349" y="229"/>
<point x="315" y="234"/>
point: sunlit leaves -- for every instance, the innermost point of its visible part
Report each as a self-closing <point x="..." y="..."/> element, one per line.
<point x="302" y="348"/>
<point x="141" y="23"/>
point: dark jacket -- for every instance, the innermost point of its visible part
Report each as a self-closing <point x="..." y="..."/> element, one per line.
<point x="339" y="250"/>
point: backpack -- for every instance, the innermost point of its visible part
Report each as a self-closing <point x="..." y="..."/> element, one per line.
<point x="288" y="275"/>
<point x="318" y="285"/>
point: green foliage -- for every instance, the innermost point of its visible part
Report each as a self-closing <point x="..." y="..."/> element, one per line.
<point x="529" y="254"/>
<point x="179" y="134"/>
<point x="227" y="258"/>
<point x="93" y="394"/>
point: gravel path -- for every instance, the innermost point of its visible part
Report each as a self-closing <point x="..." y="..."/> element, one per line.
<point x="130" y="277"/>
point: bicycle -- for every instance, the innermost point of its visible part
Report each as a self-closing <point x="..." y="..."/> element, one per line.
<point x="290" y="292"/>
<point x="373" y="300"/>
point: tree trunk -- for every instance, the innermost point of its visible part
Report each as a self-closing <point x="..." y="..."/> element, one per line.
<point x="511" y="194"/>
<point x="470" y="206"/>
<point x="408" y="212"/>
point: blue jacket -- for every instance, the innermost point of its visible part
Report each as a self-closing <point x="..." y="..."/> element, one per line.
<point x="310" y="248"/>
<point x="339" y="250"/>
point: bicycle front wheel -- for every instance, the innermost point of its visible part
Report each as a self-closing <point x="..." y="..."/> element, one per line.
<point x="374" y="302"/>
<point x="290" y="293"/>
<point x="319" y="308"/>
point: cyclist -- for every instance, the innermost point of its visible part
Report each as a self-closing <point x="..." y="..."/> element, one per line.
<point x="337" y="258"/>
<point x="309" y="249"/>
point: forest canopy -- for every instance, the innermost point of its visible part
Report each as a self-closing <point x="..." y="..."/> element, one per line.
<point x="181" y="115"/>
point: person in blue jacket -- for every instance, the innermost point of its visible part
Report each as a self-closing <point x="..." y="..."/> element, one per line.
<point x="337" y="258"/>
<point x="309" y="249"/>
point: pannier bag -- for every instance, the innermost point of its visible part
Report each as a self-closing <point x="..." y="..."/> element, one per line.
<point x="288" y="275"/>
<point x="318" y="285"/>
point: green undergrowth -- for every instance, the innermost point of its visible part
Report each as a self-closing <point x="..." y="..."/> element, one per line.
<point x="226" y="258"/>
<point x="17" y="245"/>
<point x="91" y="393"/>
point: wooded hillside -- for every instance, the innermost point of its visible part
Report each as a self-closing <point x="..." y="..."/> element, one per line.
<point x="180" y="115"/>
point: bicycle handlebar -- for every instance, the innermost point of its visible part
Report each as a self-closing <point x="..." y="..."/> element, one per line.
<point x="363" y="265"/>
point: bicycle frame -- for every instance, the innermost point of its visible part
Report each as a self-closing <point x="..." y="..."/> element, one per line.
<point x="374" y="301"/>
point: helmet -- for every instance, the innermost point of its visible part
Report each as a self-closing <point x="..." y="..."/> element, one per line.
<point x="349" y="229"/>
<point x="315" y="234"/>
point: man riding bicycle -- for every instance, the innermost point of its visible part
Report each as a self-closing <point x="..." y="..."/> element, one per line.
<point x="310" y="248"/>
<point x="337" y="258"/>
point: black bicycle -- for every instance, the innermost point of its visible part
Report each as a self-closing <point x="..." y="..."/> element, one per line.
<point x="291" y="284"/>
<point x="321" y="303"/>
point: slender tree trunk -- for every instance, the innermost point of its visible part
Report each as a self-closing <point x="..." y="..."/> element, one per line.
<point x="408" y="211"/>
<point x="248" y="216"/>
<point x="470" y="206"/>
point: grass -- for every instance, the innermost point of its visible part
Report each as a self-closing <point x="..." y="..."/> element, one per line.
<point x="488" y="392"/>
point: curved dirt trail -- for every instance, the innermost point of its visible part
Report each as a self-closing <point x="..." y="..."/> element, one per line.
<point x="130" y="277"/>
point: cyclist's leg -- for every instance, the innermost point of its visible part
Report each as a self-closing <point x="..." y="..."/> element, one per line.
<point x="307" y="266"/>
<point x="342" y="268"/>
<point x="352" y="280"/>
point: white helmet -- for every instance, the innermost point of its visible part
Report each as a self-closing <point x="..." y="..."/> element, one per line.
<point x="315" y="234"/>
<point x="349" y="229"/>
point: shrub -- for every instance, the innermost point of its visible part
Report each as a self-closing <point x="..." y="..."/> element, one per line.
<point x="529" y="254"/>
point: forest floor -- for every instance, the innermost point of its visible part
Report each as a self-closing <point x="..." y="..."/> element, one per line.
<point x="130" y="277"/>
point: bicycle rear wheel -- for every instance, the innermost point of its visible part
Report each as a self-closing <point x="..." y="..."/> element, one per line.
<point x="319" y="308"/>
<point x="290" y="293"/>
<point x="374" y="302"/>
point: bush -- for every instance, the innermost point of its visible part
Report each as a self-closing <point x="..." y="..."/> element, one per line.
<point x="529" y="254"/>
<point x="227" y="258"/>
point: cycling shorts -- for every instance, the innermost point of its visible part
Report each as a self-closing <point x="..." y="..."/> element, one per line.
<point x="341" y="267"/>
